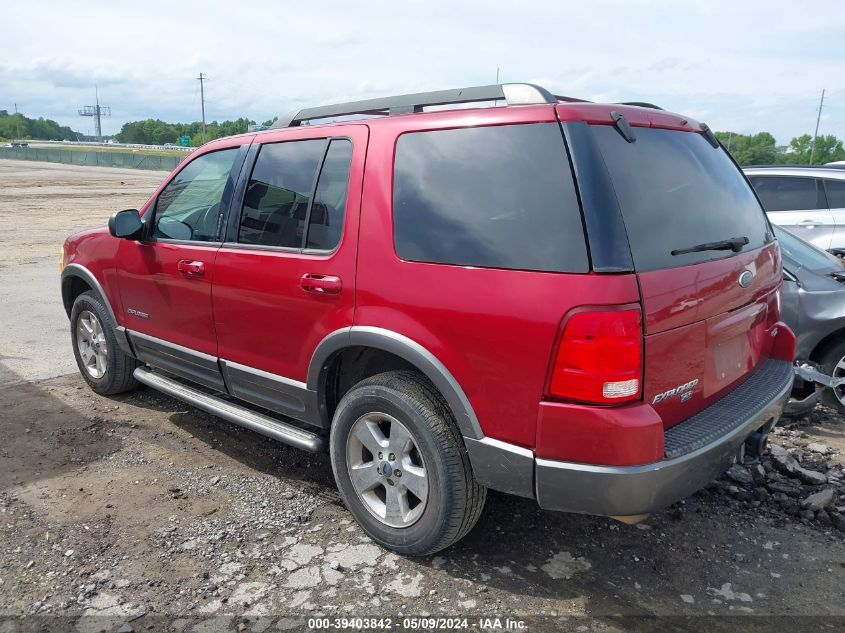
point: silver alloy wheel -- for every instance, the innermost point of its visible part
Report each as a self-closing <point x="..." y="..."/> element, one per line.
<point x="91" y="343"/>
<point x="839" y="372"/>
<point x="387" y="469"/>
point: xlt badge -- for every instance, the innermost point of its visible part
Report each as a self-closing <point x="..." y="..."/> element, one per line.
<point x="684" y="390"/>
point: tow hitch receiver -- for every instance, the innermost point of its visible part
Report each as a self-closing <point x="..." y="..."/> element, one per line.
<point x="755" y="445"/>
<point x="753" y="448"/>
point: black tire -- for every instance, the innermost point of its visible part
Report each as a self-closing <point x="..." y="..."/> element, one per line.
<point x="455" y="500"/>
<point x="829" y="359"/>
<point x="117" y="377"/>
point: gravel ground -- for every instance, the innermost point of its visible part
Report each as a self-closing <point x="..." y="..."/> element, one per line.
<point x="139" y="513"/>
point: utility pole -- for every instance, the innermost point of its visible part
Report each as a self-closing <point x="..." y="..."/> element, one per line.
<point x="17" y="123"/>
<point x="202" y="104"/>
<point x="816" y="134"/>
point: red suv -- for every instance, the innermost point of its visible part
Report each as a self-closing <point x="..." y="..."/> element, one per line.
<point x="567" y="301"/>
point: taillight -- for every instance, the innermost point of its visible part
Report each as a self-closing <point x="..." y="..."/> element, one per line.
<point x="600" y="358"/>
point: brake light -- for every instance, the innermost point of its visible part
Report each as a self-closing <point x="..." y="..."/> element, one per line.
<point x="600" y="358"/>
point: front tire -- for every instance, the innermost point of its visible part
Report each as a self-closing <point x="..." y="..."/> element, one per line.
<point x="401" y="466"/>
<point x="103" y="365"/>
<point x="832" y="361"/>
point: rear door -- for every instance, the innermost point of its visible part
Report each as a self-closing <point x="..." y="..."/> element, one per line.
<point x="835" y="190"/>
<point x="285" y="277"/>
<point x="798" y="204"/>
<point x="706" y="312"/>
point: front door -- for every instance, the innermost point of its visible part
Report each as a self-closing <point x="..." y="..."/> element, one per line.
<point x="165" y="279"/>
<point x="285" y="277"/>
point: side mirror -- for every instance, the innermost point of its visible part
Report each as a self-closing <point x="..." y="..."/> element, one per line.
<point x="126" y="224"/>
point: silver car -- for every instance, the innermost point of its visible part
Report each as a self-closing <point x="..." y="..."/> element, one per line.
<point x="808" y="201"/>
<point x="814" y="308"/>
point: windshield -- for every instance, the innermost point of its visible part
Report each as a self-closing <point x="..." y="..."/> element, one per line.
<point x="803" y="254"/>
<point x="683" y="201"/>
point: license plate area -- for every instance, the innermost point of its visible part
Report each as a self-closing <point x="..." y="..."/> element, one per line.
<point x="734" y="346"/>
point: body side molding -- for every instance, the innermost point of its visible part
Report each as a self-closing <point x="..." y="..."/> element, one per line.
<point x="272" y="391"/>
<point x="182" y="361"/>
<point x="406" y="348"/>
<point x="502" y="466"/>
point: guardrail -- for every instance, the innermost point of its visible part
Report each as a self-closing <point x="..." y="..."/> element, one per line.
<point x="105" y="144"/>
<point x="129" y="160"/>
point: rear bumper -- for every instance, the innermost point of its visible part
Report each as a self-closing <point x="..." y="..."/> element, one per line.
<point x="713" y="438"/>
<point x="697" y="451"/>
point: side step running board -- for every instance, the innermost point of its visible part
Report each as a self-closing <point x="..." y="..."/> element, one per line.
<point x="232" y="412"/>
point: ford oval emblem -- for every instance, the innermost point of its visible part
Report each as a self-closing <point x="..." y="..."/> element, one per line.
<point x="746" y="278"/>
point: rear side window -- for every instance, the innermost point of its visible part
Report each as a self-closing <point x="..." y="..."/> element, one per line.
<point x="677" y="191"/>
<point x="326" y="222"/>
<point x="497" y="197"/>
<point x="278" y="193"/>
<point x="835" y="193"/>
<point x="787" y="193"/>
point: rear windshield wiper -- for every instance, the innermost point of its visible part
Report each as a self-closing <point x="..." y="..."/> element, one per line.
<point x="734" y="244"/>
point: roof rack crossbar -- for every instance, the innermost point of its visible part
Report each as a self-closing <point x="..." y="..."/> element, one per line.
<point x="513" y="94"/>
<point x="641" y="104"/>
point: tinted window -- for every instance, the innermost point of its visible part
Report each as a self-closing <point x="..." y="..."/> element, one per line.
<point x="835" y="193"/>
<point x="785" y="193"/>
<point x="278" y="192"/>
<point x="677" y="191"/>
<point x="499" y="197"/>
<point x="189" y="207"/>
<point x="326" y="222"/>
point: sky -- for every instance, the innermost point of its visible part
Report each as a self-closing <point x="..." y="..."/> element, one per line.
<point x="743" y="66"/>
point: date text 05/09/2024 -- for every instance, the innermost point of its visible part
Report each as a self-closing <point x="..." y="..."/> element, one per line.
<point x="418" y="624"/>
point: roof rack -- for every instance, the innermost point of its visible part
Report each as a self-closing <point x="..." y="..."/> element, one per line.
<point x="794" y="167"/>
<point x="513" y="94"/>
<point x="641" y="104"/>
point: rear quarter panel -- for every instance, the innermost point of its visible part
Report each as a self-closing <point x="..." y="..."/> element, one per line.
<point x="493" y="329"/>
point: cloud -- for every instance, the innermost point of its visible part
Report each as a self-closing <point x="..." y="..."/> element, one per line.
<point x="746" y="66"/>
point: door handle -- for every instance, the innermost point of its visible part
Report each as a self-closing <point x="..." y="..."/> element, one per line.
<point x="191" y="268"/>
<point x="321" y="284"/>
<point x="807" y="224"/>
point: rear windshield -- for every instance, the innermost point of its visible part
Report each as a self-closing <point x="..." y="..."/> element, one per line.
<point x="677" y="191"/>
<point x="494" y="197"/>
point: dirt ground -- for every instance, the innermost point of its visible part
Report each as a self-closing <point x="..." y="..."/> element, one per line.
<point x="140" y="513"/>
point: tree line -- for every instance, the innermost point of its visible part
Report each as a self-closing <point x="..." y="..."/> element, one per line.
<point x="16" y="125"/>
<point x="747" y="149"/>
<point x="157" y="132"/>
<point x="761" y="149"/>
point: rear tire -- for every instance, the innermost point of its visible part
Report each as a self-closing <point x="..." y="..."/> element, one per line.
<point x="832" y="361"/>
<point x="103" y="365"/>
<point x="400" y="416"/>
